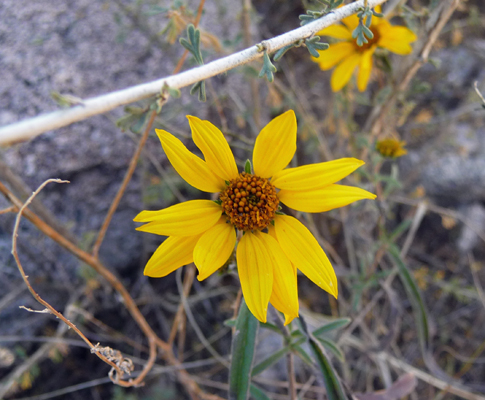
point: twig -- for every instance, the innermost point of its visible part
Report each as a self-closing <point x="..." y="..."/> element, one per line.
<point x="376" y="121"/>
<point x="188" y="281"/>
<point x="188" y="382"/>
<point x="476" y="279"/>
<point x="48" y="307"/>
<point x="193" y="322"/>
<point x="18" y="186"/>
<point x="438" y="383"/>
<point x="124" y="184"/>
<point x="8" y="381"/>
<point x="33" y="127"/>
<point x="418" y="218"/>
<point x="253" y="82"/>
<point x="180" y="64"/>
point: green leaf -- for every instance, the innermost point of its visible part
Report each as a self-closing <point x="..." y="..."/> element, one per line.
<point x="333" y="347"/>
<point x="281" y="52"/>
<point x="304" y="356"/>
<point x="243" y="344"/>
<point x="414" y="295"/>
<point x="314" y="44"/>
<point x="231" y="323"/>
<point x="199" y="87"/>
<point x="257" y="393"/>
<point x="271" y="327"/>
<point x="334" y="388"/>
<point x="137" y="127"/>
<point x="268" y="362"/>
<point x="337" y="324"/>
<point x="193" y="43"/>
<point x="268" y="69"/>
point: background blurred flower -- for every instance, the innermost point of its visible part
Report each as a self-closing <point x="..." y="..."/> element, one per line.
<point x="347" y="55"/>
<point x="391" y="148"/>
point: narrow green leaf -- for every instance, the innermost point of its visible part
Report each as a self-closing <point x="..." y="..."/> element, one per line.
<point x="271" y="327"/>
<point x="202" y="94"/>
<point x="414" y="295"/>
<point x="268" y="362"/>
<point x="332" y="382"/>
<point x="268" y="69"/>
<point x="281" y="52"/>
<point x="337" y="324"/>
<point x="231" y="323"/>
<point x="304" y="356"/>
<point x="333" y="347"/>
<point x="243" y="344"/>
<point x="257" y="393"/>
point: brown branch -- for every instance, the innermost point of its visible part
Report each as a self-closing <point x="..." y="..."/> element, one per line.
<point x="124" y="184"/>
<point x="180" y="64"/>
<point x="377" y="119"/>
<point x="36" y="296"/>
<point x="254" y="82"/>
<point x="185" y="379"/>
<point x="188" y="281"/>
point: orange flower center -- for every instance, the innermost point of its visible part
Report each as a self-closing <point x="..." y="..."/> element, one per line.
<point x="250" y="202"/>
<point x="370" y="43"/>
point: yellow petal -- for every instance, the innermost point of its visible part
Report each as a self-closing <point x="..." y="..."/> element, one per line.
<point x="285" y="291"/>
<point x="305" y="253"/>
<point x="365" y="69"/>
<point x="324" y="199"/>
<point x="255" y="268"/>
<point x="185" y="219"/>
<point x="396" y="39"/>
<point x="315" y="176"/>
<point x="342" y="74"/>
<point x="334" y="54"/>
<point x="351" y="22"/>
<point x="173" y="253"/>
<point x="214" y="248"/>
<point x="337" y="32"/>
<point x="275" y="145"/>
<point x="217" y="153"/>
<point x="191" y="168"/>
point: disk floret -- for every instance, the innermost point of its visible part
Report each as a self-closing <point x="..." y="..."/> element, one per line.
<point x="250" y="202"/>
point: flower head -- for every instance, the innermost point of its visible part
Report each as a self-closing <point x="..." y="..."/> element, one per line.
<point x="392" y="148"/>
<point x="347" y="55"/>
<point x="271" y="246"/>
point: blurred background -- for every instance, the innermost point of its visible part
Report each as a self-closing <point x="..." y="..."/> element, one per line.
<point x="430" y="205"/>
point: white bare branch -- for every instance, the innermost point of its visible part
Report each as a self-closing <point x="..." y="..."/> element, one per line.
<point x="33" y="127"/>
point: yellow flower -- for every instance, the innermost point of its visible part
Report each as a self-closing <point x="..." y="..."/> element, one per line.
<point x="347" y="55"/>
<point x="271" y="245"/>
<point x="391" y="148"/>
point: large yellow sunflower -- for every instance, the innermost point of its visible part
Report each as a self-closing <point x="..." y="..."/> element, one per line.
<point x="347" y="55"/>
<point x="271" y="246"/>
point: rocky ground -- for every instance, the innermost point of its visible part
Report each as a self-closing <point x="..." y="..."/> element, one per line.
<point x="86" y="48"/>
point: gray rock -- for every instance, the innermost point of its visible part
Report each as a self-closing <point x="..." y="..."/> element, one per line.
<point x="475" y="214"/>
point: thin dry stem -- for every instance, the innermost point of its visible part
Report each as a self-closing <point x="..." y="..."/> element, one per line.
<point x="36" y="296"/>
<point x="180" y="64"/>
<point x="124" y="184"/>
<point x="376" y="122"/>
<point x="185" y="379"/>
<point x="188" y="281"/>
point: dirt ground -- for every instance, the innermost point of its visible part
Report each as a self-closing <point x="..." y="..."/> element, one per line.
<point x="431" y="202"/>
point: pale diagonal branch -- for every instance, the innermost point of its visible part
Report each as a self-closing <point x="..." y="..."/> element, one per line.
<point x="33" y="127"/>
